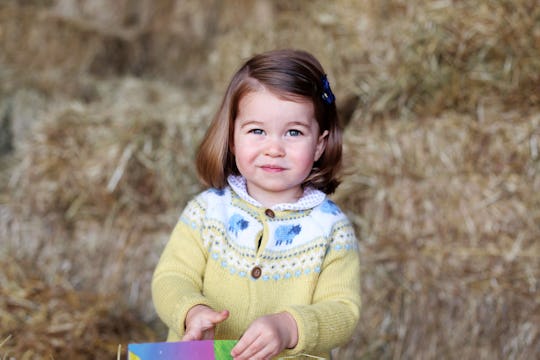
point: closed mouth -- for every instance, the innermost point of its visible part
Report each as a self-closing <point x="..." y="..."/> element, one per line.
<point x="272" y="168"/>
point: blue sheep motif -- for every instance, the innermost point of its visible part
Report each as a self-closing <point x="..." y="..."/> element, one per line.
<point x="237" y="223"/>
<point x="286" y="233"/>
<point x="329" y="207"/>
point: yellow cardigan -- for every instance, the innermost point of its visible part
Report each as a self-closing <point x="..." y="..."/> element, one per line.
<point x="228" y="252"/>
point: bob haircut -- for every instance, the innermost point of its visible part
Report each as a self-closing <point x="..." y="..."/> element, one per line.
<point x="291" y="75"/>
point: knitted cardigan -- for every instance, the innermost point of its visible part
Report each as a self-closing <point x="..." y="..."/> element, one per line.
<point x="229" y="252"/>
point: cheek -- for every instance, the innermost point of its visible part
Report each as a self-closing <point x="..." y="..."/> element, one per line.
<point x="243" y="153"/>
<point x="306" y="158"/>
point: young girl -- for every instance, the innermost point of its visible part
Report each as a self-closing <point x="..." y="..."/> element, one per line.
<point x="263" y="255"/>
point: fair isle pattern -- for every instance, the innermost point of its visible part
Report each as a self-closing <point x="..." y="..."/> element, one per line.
<point x="295" y="242"/>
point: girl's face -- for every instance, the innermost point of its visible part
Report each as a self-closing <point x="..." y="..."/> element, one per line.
<point x="276" y="142"/>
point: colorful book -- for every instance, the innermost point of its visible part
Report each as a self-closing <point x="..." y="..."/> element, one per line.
<point x="184" y="350"/>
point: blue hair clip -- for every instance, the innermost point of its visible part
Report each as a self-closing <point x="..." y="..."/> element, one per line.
<point x="327" y="94"/>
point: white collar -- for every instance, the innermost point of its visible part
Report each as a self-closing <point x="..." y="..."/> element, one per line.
<point x="311" y="197"/>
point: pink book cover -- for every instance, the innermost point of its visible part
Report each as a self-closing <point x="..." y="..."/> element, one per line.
<point x="184" y="350"/>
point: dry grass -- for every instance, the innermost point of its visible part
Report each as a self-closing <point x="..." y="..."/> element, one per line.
<point x="450" y="251"/>
<point x="47" y="318"/>
<point x="430" y="57"/>
<point x="98" y="184"/>
<point x="442" y="157"/>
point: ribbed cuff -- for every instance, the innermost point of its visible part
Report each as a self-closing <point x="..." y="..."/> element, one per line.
<point x="306" y="323"/>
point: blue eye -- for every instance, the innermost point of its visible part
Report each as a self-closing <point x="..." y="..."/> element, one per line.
<point x="256" y="131"/>
<point x="294" y="132"/>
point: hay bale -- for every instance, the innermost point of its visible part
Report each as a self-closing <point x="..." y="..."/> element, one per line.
<point x="47" y="318"/>
<point x="427" y="57"/>
<point x="99" y="186"/>
<point x="108" y="38"/>
<point x="332" y="31"/>
<point x="24" y="30"/>
<point x="447" y="216"/>
<point x="442" y="155"/>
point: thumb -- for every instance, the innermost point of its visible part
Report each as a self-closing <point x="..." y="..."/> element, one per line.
<point x="220" y="316"/>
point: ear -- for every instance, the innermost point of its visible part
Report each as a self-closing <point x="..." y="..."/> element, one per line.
<point x="321" y="145"/>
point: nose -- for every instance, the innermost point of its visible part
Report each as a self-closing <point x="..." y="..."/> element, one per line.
<point x="274" y="148"/>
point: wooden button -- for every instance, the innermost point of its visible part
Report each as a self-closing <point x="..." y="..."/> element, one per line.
<point x="256" y="272"/>
<point x="269" y="213"/>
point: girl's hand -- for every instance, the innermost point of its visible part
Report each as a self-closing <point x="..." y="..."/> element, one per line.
<point x="266" y="337"/>
<point x="201" y="321"/>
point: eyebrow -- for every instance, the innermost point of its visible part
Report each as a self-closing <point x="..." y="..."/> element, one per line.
<point x="299" y="123"/>
<point x="258" y="123"/>
<point x="243" y="123"/>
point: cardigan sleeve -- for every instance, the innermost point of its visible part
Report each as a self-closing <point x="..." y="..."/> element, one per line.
<point x="332" y="317"/>
<point x="177" y="279"/>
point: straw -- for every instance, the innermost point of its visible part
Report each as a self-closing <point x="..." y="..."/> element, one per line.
<point x="442" y="167"/>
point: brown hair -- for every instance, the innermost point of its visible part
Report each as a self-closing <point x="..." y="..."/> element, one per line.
<point x="290" y="74"/>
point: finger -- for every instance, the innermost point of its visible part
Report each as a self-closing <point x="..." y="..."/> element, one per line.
<point x="244" y="342"/>
<point x="262" y="348"/>
<point x="220" y="316"/>
<point x="267" y="352"/>
<point x="253" y="353"/>
<point x="252" y="349"/>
